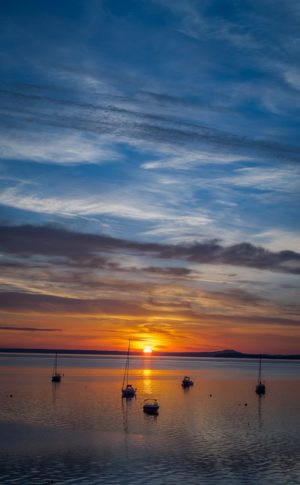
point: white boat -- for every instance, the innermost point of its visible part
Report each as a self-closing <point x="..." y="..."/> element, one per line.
<point x="150" y="406"/>
<point x="56" y="376"/>
<point x="260" y="387"/>
<point x="187" y="382"/>
<point x="127" y="389"/>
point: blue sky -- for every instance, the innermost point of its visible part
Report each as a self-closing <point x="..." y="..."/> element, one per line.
<point x="155" y="122"/>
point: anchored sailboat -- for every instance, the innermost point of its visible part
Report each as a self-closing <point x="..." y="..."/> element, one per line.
<point x="56" y="376"/>
<point x="127" y="389"/>
<point x="187" y="382"/>
<point x="260" y="387"/>
<point x="150" y="406"/>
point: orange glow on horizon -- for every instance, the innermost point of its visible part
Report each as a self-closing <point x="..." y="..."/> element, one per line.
<point x="148" y="335"/>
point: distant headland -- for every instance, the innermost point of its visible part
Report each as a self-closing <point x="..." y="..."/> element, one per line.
<point x="227" y="353"/>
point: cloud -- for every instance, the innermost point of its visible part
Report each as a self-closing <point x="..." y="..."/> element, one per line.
<point x="164" y="313"/>
<point x="112" y="122"/>
<point x="193" y="23"/>
<point x="40" y="303"/>
<point x="29" y="329"/>
<point x="251" y="29"/>
<point x="165" y="330"/>
<point x="138" y="205"/>
<point x="169" y="271"/>
<point x="67" y="149"/>
<point x="292" y="77"/>
<point x="85" y="248"/>
<point x="239" y="320"/>
<point x="186" y="159"/>
<point x="276" y="239"/>
<point x="265" y="178"/>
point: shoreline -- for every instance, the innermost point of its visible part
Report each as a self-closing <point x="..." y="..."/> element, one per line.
<point x="218" y="354"/>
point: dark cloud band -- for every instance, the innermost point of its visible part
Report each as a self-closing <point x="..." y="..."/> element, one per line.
<point x="91" y="250"/>
<point x="29" y="329"/>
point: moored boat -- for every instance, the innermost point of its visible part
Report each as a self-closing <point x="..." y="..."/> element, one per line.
<point x="127" y="389"/>
<point x="150" y="406"/>
<point x="56" y="376"/>
<point x="187" y="382"/>
<point x="260" y="386"/>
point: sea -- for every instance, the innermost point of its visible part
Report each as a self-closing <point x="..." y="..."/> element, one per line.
<point x="81" y="431"/>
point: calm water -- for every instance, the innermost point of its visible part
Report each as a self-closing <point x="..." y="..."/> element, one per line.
<point x="80" y="431"/>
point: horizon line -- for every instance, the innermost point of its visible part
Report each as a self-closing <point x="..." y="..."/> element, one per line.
<point x="214" y="353"/>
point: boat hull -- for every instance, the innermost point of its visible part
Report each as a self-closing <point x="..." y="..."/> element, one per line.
<point x="151" y="406"/>
<point x="150" y="409"/>
<point x="56" y="378"/>
<point x="187" y="382"/>
<point x="260" y="389"/>
<point x="129" y="391"/>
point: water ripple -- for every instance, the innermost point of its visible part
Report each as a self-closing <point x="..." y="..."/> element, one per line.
<point x="82" y="432"/>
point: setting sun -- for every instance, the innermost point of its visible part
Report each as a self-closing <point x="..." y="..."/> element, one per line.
<point x="147" y="350"/>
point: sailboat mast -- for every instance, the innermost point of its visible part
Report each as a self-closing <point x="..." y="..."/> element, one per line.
<point x="125" y="378"/>
<point x="259" y="370"/>
<point x="55" y="364"/>
<point x="128" y="362"/>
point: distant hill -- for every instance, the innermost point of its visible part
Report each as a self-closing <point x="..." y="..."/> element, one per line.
<point x="227" y="353"/>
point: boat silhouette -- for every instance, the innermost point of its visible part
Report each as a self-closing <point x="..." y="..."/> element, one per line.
<point x="56" y="376"/>
<point x="260" y="386"/>
<point x="127" y="389"/>
<point x="187" y="382"/>
<point x="150" y="406"/>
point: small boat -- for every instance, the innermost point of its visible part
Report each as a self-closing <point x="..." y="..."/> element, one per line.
<point x="260" y="387"/>
<point x="150" y="406"/>
<point x="56" y="376"/>
<point x="187" y="382"/>
<point x="127" y="389"/>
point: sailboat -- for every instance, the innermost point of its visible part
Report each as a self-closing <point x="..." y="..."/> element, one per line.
<point x="187" y="382"/>
<point x="56" y="376"/>
<point x="127" y="389"/>
<point x="260" y="387"/>
<point x="150" y="406"/>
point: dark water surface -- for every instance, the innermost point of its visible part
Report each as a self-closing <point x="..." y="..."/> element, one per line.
<point x="80" y="431"/>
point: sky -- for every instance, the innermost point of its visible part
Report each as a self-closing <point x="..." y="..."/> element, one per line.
<point x="149" y="171"/>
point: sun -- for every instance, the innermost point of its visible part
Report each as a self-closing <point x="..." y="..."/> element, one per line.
<point x="148" y="350"/>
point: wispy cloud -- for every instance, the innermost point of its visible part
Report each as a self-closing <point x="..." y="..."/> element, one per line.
<point x="129" y="124"/>
<point x="263" y="178"/>
<point x="68" y="149"/>
<point x="292" y="77"/>
<point x="40" y="303"/>
<point x="277" y="239"/>
<point x="29" y="329"/>
<point x="133" y="206"/>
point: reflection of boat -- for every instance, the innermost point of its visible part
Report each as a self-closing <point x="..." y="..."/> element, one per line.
<point x="151" y="406"/>
<point x="187" y="382"/>
<point x="259" y="410"/>
<point x="260" y="387"/>
<point x="127" y="389"/>
<point x="125" y="414"/>
<point x="56" y="376"/>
